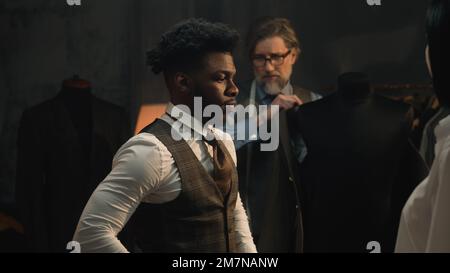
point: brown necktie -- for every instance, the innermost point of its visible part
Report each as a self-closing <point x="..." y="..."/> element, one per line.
<point x="222" y="167"/>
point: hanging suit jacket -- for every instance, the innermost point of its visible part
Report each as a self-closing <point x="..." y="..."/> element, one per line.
<point x="61" y="159"/>
<point x="358" y="172"/>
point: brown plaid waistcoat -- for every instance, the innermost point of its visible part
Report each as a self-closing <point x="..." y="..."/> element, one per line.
<point x="200" y="219"/>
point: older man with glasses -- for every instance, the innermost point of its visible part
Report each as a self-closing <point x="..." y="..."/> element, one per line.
<point x="268" y="182"/>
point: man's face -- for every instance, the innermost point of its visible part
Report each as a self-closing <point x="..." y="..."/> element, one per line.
<point x="215" y="81"/>
<point x="273" y="78"/>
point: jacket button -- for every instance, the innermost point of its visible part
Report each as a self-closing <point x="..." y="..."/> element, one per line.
<point x="291" y="179"/>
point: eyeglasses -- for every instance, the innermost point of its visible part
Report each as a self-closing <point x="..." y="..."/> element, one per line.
<point x="274" y="59"/>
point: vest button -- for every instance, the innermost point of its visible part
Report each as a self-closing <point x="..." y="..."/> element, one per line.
<point x="291" y="179"/>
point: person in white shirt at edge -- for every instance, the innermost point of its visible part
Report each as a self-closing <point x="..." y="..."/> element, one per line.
<point x="425" y="220"/>
<point x="184" y="200"/>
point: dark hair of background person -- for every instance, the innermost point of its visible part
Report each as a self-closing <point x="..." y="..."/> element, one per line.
<point x="438" y="35"/>
<point x="268" y="27"/>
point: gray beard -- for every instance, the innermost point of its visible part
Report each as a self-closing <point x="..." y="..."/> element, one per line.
<point x="273" y="88"/>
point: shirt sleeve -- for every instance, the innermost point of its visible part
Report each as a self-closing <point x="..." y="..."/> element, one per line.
<point x="439" y="236"/>
<point x="242" y="231"/>
<point x="244" y="237"/>
<point x="136" y="172"/>
<point x="425" y="220"/>
<point x="414" y="221"/>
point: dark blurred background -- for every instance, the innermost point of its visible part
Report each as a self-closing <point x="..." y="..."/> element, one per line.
<point x="43" y="42"/>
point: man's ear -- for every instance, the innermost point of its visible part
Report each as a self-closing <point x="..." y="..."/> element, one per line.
<point x="295" y="54"/>
<point x="182" y="82"/>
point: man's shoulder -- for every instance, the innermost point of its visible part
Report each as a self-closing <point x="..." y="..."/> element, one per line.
<point x="142" y="145"/>
<point x="444" y="154"/>
<point x="304" y="94"/>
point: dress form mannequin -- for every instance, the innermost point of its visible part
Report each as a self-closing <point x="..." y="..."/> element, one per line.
<point x="359" y="167"/>
<point x="77" y="97"/>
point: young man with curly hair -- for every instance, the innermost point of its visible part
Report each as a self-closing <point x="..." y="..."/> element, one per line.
<point x="182" y="193"/>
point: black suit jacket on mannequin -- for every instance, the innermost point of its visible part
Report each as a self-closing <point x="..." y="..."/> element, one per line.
<point x="359" y="170"/>
<point x="268" y="187"/>
<point x="65" y="148"/>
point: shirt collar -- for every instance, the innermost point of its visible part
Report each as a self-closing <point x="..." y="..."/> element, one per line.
<point x="179" y="114"/>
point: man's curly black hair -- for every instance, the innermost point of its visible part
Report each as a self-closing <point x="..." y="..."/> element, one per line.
<point x="184" y="46"/>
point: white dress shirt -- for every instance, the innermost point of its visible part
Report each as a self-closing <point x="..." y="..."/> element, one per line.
<point x="425" y="220"/>
<point x="144" y="171"/>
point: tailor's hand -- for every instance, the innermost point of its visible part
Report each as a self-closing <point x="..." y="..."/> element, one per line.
<point x="286" y="102"/>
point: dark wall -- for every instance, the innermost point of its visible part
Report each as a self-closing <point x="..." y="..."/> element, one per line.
<point x="385" y="41"/>
<point x="44" y="41"/>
